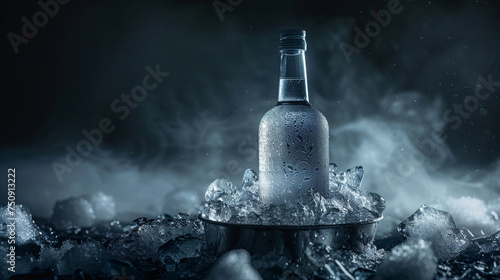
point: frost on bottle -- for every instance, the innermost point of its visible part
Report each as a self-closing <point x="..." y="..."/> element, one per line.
<point x="293" y="136"/>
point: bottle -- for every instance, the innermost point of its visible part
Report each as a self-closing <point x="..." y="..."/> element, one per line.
<point x="293" y="136"/>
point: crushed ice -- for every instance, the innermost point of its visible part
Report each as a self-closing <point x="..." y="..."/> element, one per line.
<point x="346" y="203"/>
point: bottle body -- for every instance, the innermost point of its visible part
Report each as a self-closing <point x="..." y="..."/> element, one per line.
<point x="293" y="153"/>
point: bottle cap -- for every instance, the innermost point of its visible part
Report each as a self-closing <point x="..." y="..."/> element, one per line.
<point x="293" y="39"/>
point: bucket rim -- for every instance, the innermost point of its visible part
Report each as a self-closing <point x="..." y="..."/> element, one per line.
<point x="288" y="227"/>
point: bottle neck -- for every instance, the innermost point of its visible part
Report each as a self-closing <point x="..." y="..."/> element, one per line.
<point x="293" y="77"/>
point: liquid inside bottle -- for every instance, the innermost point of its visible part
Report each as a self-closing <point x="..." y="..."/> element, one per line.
<point x="293" y="136"/>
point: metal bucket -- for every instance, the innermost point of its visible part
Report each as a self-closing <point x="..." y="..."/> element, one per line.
<point x="290" y="241"/>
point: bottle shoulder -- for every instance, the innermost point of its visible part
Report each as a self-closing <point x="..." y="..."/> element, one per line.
<point x="294" y="110"/>
<point x="290" y="113"/>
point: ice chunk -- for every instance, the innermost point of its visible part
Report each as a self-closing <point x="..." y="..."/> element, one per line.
<point x="103" y="206"/>
<point x="471" y="213"/>
<point x="332" y="167"/>
<point x="179" y="249"/>
<point x="312" y="206"/>
<point x="354" y="177"/>
<point x="412" y="260"/>
<point x="250" y="182"/>
<point x="217" y="211"/>
<point x="437" y="227"/>
<point x="18" y="221"/>
<point x="182" y="201"/>
<point x="374" y="203"/>
<point x="75" y="211"/>
<point x="220" y="189"/>
<point x="234" y="265"/>
<point x="89" y="256"/>
<point x="351" y="177"/>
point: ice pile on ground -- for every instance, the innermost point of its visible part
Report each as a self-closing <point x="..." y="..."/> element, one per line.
<point x="168" y="247"/>
<point x="234" y="265"/>
<point x="411" y="260"/>
<point x="345" y="203"/>
<point x="83" y="211"/>
<point x="180" y="250"/>
<point x="17" y="221"/>
<point x="437" y="227"/>
<point x="143" y="240"/>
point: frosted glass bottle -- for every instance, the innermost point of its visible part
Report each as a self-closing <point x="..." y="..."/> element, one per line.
<point x="293" y="136"/>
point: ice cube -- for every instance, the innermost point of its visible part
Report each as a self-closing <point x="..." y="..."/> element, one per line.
<point x="220" y="189"/>
<point x="312" y="207"/>
<point x="244" y="196"/>
<point x="374" y="203"/>
<point x="75" y="211"/>
<point x="234" y="265"/>
<point x="103" y="205"/>
<point x="217" y="211"/>
<point x="332" y="167"/>
<point x="352" y="178"/>
<point x="437" y="227"/>
<point x="411" y="260"/>
<point x="250" y="182"/>
<point x="17" y="221"/>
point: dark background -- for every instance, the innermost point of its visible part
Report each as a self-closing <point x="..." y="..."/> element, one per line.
<point x="201" y="122"/>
